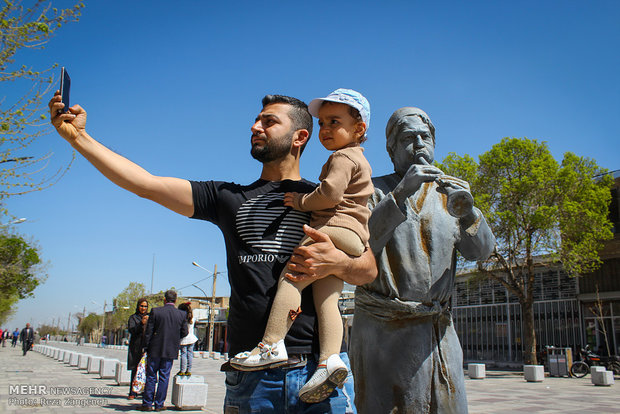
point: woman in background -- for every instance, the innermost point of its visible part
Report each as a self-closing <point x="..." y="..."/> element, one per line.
<point x="187" y="343"/>
<point x="136" y="326"/>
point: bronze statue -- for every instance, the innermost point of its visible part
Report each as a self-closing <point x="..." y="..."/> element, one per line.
<point x="405" y="354"/>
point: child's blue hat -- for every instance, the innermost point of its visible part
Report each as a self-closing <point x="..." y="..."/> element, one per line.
<point x="347" y="97"/>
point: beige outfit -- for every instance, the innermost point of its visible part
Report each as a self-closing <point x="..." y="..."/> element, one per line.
<point x="339" y="209"/>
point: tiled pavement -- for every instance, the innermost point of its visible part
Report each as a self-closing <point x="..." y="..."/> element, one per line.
<point x="500" y="392"/>
<point x="37" y="369"/>
<point x="508" y="392"/>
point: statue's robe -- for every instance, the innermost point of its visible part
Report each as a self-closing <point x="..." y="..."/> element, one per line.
<point x="405" y="353"/>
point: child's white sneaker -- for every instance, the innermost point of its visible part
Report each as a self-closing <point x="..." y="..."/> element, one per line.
<point x="262" y="357"/>
<point x="329" y="375"/>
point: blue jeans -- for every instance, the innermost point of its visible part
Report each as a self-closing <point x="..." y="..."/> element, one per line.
<point x="187" y="356"/>
<point x="156" y="367"/>
<point x="277" y="391"/>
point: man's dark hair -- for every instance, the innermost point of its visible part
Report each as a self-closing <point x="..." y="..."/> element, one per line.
<point x="299" y="114"/>
<point x="170" y="296"/>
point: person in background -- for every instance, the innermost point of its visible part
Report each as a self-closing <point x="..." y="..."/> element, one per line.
<point x="164" y="330"/>
<point x="27" y="338"/>
<point x="15" y="337"/>
<point x="136" y="326"/>
<point x="187" y="342"/>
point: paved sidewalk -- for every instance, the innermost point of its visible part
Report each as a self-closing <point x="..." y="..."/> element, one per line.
<point x="501" y="392"/>
<point x="508" y="392"/>
<point x="105" y="396"/>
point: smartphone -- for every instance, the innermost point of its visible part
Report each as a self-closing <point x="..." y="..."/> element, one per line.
<point x="65" y="88"/>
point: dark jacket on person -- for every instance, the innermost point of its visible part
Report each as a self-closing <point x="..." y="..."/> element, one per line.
<point x="27" y="335"/>
<point x="164" y="330"/>
<point x="136" y="342"/>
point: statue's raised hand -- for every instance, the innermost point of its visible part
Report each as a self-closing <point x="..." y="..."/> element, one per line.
<point x="413" y="179"/>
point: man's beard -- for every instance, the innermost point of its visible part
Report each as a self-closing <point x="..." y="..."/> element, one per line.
<point x="274" y="149"/>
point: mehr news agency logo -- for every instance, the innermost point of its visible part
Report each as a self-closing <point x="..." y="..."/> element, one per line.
<point x="40" y="395"/>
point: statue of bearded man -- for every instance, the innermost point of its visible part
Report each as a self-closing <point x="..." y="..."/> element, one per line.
<point x="405" y="353"/>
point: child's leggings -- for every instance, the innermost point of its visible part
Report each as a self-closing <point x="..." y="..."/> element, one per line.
<point x="326" y="292"/>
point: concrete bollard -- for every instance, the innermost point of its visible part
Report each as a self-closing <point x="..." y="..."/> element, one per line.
<point x="605" y="378"/>
<point x="74" y="359"/>
<point x="107" y="368"/>
<point x="476" y="371"/>
<point x="593" y="370"/>
<point x="94" y="363"/>
<point x="189" y="393"/>
<point x="215" y="355"/>
<point x="123" y="375"/>
<point x="534" y="373"/>
<point x="83" y="361"/>
<point x="67" y="357"/>
<point x="60" y="355"/>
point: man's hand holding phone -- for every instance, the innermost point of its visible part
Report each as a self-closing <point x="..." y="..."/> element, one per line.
<point x="68" y="121"/>
<point x="68" y="124"/>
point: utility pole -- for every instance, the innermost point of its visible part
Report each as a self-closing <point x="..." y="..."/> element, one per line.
<point x="212" y="313"/>
<point x="103" y="323"/>
<point x="69" y="324"/>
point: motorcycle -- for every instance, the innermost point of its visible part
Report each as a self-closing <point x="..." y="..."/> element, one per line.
<point x="580" y="369"/>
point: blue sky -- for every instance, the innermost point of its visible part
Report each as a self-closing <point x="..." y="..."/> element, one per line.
<point x="175" y="86"/>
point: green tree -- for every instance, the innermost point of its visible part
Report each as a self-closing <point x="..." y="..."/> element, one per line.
<point x="91" y="327"/>
<point x="536" y="207"/>
<point x="22" y="119"/>
<point x="51" y="330"/>
<point x="125" y="305"/>
<point x="20" y="272"/>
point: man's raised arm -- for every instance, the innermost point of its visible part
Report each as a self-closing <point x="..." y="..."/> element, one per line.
<point x="172" y="193"/>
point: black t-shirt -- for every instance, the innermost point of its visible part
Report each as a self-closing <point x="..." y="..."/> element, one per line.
<point x="260" y="234"/>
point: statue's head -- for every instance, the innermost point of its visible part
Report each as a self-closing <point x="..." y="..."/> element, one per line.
<point x="410" y="138"/>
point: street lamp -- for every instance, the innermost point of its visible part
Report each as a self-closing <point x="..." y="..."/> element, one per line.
<point x="212" y="310"/>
